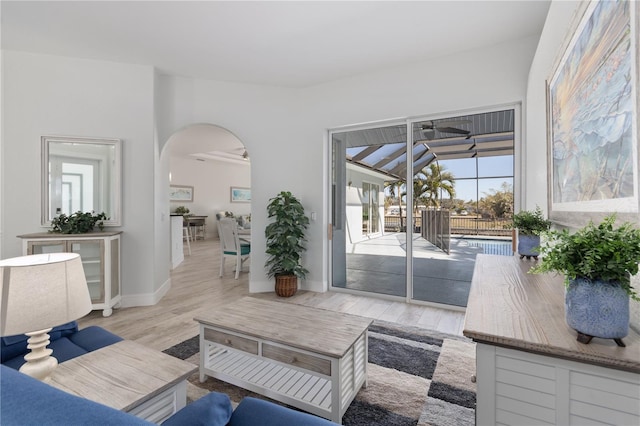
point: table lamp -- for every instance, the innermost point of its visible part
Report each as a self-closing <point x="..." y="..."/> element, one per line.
<point x="39" y="292"/>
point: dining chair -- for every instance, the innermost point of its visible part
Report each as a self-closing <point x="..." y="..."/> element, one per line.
<point x="186" y="235"/>
<point x="231" y="245"/>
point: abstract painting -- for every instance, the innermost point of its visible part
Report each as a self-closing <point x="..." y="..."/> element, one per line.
<point x="593" y="129"/>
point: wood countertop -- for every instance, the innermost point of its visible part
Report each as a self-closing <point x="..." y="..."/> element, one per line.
<point x="512" y="308"/>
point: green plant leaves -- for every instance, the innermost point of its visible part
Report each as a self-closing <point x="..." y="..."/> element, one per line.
<point x="285" y="236"/>
<point x="531" y="222"/>
<point x="599" y="252"/>
<point x="78" y="222"/>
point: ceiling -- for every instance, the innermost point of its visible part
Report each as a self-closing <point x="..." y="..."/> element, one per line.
<point x="205" y="142"/>
<point x="282" y="43"/>
<point x="290" y="43"/>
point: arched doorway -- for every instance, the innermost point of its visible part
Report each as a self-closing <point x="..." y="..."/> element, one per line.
<point x="205" y="163"/>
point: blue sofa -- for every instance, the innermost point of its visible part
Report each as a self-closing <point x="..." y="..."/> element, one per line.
<point x="66" y="341"/>
<point x="27" y="401"/>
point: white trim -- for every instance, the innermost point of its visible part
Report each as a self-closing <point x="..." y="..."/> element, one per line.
<point x="146" y="299"/>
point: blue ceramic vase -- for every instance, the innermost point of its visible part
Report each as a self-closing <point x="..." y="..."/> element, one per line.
<point x="527" y="245"/>
<point x="597" y="308"/>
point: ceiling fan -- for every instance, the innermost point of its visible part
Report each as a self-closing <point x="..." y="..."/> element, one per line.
<point x="430" y="127"/>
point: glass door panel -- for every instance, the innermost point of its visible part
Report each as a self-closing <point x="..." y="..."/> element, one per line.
<point x="44" y="247"/>
<point x="90" y="252"/>
<point x="367" y="253"/>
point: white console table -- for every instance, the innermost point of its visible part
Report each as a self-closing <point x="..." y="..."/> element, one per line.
<point x="100" y="255"/>
<point x="530" y="367"/>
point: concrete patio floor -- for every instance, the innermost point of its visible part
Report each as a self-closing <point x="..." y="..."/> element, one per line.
<point x="378" y="265"/>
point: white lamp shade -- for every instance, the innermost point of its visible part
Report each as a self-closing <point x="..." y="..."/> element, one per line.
<point x="41" y="291"/>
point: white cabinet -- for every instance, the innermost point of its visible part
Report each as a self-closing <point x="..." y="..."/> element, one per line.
<point x="531" y="370"/>
<point x="521" y="388"/>
<point x="100" y="255"/>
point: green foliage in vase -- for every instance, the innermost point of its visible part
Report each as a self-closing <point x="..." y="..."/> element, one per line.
<point x="182" y="210"/>
<point x="601" y="252"/>
<point x="78" y="222"/>
<point x="531" y="222"/>
<point x="285" y="236"/>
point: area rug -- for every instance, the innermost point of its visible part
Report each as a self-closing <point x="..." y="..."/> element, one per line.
<point x="417" y="377"/>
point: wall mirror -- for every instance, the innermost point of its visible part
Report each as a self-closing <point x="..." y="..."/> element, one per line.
<point x="81" y="174"/>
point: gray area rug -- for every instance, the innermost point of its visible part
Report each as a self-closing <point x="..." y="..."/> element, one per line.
<point x="417" y="377"/>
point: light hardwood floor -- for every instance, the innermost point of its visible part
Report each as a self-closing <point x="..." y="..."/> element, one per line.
<point x="196" y="288"/>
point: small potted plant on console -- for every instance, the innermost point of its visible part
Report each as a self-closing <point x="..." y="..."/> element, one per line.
<point x="597" y="262"/>
<point x="530" y="225"/>
<point x="78" y="222"/>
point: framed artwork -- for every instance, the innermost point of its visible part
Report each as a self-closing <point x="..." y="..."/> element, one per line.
<point x="180" y="193"/>
<point x="240" y="195"/>
<point x="592" y="122"/>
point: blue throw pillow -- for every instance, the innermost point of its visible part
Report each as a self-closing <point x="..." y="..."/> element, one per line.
<point x="213" y="409"/>
<point x="16" y="345"/>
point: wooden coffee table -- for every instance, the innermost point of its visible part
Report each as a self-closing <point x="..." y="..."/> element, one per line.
<point x="309" y="358"/>
<point x="129" y="377"/>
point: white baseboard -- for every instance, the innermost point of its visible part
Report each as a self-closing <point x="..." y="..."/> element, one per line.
<point x="148" y="299"/>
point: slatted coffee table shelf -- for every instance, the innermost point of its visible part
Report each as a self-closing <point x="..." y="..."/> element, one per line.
<point x="309" y="358"/>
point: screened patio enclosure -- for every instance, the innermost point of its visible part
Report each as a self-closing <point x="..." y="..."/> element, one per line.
<point x="377" y="244"/>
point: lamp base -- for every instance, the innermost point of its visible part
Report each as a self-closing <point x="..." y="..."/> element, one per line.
<point x="40" y="364"/>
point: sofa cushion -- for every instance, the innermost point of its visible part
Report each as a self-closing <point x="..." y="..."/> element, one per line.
<point x="94" y="337"/>
<point x="213" y="409"/>
<point x="63" y="350"/>
<point x="27" y="401"/>
<point x="16" y="345"/>
<point x="253" y="411"/>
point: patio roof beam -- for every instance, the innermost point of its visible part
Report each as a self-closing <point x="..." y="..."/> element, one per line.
<point x="366" y="152"/>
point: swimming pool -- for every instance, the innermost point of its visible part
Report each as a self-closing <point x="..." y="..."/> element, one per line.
<point x="490" y="246"/>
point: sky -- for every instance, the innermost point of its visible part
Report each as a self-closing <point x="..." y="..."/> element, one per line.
<point x="492" y="172"/>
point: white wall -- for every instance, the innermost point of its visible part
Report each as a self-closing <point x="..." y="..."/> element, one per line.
<point x="211" y="181"/>
<point x="355" y="180"/>
<point x="286" y="130"/>
<point x="561" y="14"/>
<point x="50" y="95"/>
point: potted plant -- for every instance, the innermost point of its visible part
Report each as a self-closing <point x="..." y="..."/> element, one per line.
<point x="597" y="263"/>
<point x="78" y="222"/>
<point x="182" y="210"/>
<point x="530" y="225"/>
<point x="285" y="242"/>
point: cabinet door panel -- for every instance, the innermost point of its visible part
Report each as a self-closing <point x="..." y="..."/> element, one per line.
<point x="91" y="252"/>
<point x="44" y="247"/>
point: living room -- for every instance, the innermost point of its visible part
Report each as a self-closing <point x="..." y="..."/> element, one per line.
<point x="283" y="123"/>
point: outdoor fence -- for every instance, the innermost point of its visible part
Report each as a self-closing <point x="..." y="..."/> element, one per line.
<point x="459" y="225"/>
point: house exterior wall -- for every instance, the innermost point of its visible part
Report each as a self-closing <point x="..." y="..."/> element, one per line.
<point x="355" y="179"/>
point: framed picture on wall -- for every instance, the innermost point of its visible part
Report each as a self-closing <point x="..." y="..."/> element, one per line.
<point x="240" y="195"/>
<point x="180" y="193"/>
<point x="592" y="122"/>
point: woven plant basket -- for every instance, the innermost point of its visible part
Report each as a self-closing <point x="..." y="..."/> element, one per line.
<point x="286" y="285"/>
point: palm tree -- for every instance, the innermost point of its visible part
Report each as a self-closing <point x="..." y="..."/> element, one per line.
<point x="392" y="192"/>
<point x="434" y="180"/>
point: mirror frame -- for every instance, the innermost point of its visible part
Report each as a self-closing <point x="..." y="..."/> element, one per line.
<point x="115" y="218"/>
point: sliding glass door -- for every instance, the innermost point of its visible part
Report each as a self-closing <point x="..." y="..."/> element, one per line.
<point x="409" y="240"/>
<point x="368" y="251"/>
